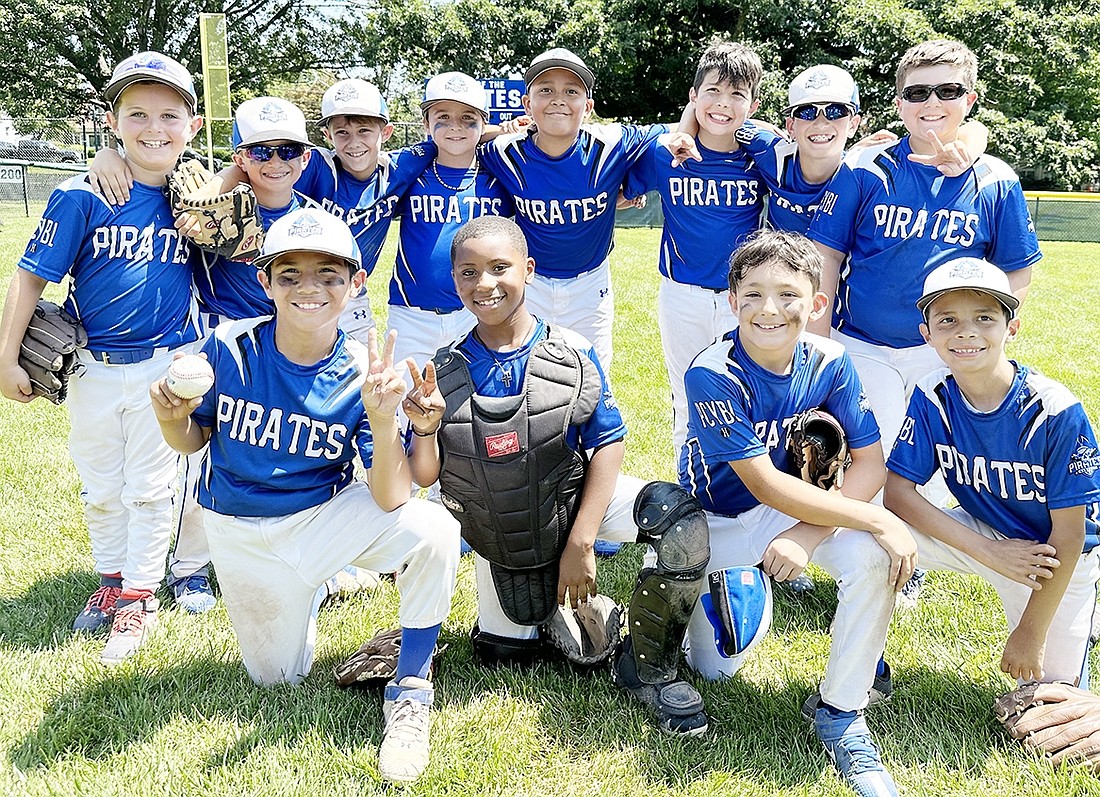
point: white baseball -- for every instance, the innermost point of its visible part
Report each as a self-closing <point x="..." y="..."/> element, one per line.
<point x="190" y="376"/>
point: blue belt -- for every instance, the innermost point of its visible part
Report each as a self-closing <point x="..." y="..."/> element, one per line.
<point x="128" y="357"/>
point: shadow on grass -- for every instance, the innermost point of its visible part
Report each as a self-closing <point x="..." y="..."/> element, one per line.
<point x="42" y="617"/>
<point x="756" y="729"/>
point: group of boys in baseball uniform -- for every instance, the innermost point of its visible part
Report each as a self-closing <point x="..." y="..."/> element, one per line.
<point x="880" y="285"/>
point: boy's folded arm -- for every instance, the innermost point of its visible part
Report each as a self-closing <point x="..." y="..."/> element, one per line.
<point x="1023" y="653"/>
<point x="903" y="499"/>
<point x="389" y="477"/>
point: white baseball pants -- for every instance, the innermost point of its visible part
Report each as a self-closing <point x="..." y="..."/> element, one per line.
<point x="865" y="601"/>
<point x="126" y="468"/>
<point x="270" y="568"/>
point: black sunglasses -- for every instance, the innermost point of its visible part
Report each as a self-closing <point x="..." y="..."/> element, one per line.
<point x="263" y="152"/>
<point x="945" y="91"/>
<point x="832" y="111"/>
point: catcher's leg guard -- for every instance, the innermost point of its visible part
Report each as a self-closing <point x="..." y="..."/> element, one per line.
<point x="678" y="707"/>
<point x="492" y="650"/>
<point x="673" y="522"/>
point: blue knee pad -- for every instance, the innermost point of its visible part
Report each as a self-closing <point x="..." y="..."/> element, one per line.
<point x="739" y="608"/>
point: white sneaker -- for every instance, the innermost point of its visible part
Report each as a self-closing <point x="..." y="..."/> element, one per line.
<point x="404" y="752"/>
<point x="350" y="581"/>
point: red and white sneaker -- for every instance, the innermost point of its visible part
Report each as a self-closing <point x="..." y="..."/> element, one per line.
<point x="99" y="611"/>
<point x="132" y="624"/>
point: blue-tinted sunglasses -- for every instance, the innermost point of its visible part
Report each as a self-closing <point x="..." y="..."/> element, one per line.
<point x="263" y="152"/>
<point x="945" y="91"/>
<point x="832" y="111"/>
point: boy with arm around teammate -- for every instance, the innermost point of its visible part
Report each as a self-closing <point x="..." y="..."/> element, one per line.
<point x="1019" y="454"/>
<point x="565" y="177"/>
<point x="294" y="399"/>
<point x="710" y="207"/>
<point x="742" y="393"/>
<point x="130" y="286"/>
<point x="885" y="222"/>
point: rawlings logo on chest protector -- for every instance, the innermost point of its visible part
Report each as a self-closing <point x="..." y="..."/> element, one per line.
<point x="499" y="445"/>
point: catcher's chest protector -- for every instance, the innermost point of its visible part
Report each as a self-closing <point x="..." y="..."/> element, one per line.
<point x="508" y="475"/>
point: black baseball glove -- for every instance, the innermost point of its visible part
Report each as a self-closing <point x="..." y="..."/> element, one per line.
<point x="48" y="350"/>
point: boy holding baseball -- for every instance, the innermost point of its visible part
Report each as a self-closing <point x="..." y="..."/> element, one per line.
<point x="293" y="401"/>
<point x="130" y="286"/>
<point x="743" y="393"/>
<point x="1019" y="455"/>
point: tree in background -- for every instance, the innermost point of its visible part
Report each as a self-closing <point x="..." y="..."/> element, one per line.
<point x="1039" y="91"/>
<point x="58" y="55"/>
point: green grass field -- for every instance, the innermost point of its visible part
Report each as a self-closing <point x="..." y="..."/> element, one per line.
<point x="182" y="717"/>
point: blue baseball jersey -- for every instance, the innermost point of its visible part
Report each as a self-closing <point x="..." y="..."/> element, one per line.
<point x="230" y="288"/>
<point x="488" y="368"/>
<point x="431" y="213"/>
<point x="897" y="220"/>
<point x="283" y="436"/>
<point x="366" y="205"/>
<point x="565" y="205"/>
<point x="130" y="271"/>
<point x="792" y="199"/>
<point x="738" y="410"/>
<point x="710" y="207"/>
<point x="1010" y="467"/>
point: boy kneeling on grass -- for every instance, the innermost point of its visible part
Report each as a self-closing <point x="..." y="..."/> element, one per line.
<point x="293" y="400"/>
<point x="1019" y="455"/>
<point x="743" y="392"/>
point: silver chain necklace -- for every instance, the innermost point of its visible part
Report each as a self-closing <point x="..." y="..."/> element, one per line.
<point x="471" y="176"/>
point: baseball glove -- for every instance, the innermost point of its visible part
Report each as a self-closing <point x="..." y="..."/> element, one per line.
<point x="230" y="223"/>
<point x="376" y="660"/>
<point x="48" y="350"/>
<point x="1057" y="720"/>
<point x="819" y="449"/>
<point x="588" y="635"/>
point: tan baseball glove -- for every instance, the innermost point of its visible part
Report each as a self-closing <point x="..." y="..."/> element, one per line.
<point x="376" y="660"/>
<point x="229" y="222"/>
<point x="818" y="448"/>
<point x="1058" y="720"/>
<point x="48" y="350"/>
<point x="589" y="635"/>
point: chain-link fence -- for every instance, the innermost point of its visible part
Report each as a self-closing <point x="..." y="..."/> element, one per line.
<point x="1065" y="216"/>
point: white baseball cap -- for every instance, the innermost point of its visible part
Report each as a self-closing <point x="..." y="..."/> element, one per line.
<point x="560" y="58"/>
<point x="310" y="230"/>
<point x="823" y="83"/>
<point x="458" y="87"/>
<point x="353" y="97"/>
<point x="971" y="274"/>
<point x="152" y="67"/>
<point x="268" y="119"/>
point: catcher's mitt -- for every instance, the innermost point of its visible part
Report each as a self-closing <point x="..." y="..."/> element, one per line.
<point x="819" y="448"/>
<point x="376" y="660"/>
<point x="230" y="223"/>
<point x="1057" y="720"/>
<point x="48" y="350"/>
<point x="588" y="635"/>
